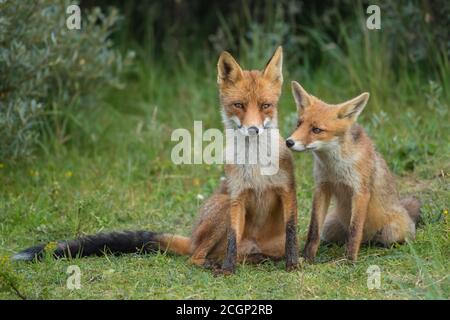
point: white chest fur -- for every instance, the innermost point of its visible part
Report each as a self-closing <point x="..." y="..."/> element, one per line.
<point x="257" y="175"/>
<point x="245" y="177"/>
<point x="331" y="167"/>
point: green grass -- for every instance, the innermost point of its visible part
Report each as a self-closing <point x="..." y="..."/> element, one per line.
<point x="115" y="192"/>
<point x="120" y="176"/>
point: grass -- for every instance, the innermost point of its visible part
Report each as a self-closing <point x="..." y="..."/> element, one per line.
<point x="102" y="195"/>
<point x="120" y="176"/>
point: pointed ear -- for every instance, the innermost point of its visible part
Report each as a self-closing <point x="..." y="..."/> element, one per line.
<point x="274" y="68"/>
<point x="228" y="69"/>
<point x="301" y="97"/>
<point x="352" y="108"/>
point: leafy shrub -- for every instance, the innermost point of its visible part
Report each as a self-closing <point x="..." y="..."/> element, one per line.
<point x="46" y="70"/>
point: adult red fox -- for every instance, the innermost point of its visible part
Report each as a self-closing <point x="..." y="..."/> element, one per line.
<point x="251" y="216"/>
<point x="347" y="167"/>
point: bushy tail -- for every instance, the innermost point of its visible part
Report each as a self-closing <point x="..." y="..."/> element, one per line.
<point x="412" y="205"/>
<point x="113" y="242"/>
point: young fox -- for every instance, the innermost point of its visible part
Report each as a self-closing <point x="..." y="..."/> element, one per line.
<point x="251" y="216"/>
<point x="347" y="167"/>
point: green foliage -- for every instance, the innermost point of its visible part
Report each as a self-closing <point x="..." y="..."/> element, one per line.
<point x="127" y="184"/>
<point x="126" y="180"/>
<point x="47" y="70"/>
<point x="417" y="29"/>
<point x="10" y="281"/>
<point x="414" y="27"/>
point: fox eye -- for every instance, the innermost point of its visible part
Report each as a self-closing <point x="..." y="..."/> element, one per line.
<point x="316" y="130"/>
<point x="266" y="105"/>
<point x="299" y="123"/>
<point x="238" y="105"/>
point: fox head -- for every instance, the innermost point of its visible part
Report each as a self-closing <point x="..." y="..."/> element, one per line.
<point x="249" y="98"/>
<point x="320" y="125"/>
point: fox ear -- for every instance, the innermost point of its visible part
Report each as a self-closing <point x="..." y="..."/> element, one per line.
<point x="228" y="69"/>
<point x="352" y="108"/>
<point x="301" y="97"/>
<point x="274" y="68"/>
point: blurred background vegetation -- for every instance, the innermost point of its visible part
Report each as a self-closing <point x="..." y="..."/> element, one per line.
<point x="55" y="81"/>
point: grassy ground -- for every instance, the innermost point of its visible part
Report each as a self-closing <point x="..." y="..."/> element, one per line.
<point x="121" y="177"/>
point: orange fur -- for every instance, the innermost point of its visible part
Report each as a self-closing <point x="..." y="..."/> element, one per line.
<point x="249" y="98"/>
<point x="251" y="217"/>
<point x="348" y="169"/>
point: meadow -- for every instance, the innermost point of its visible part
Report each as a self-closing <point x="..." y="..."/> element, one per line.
<point x="119" y="175"/>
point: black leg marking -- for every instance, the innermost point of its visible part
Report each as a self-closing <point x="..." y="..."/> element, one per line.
<point x="291" y="244"/>
<point x="229" y="262"/>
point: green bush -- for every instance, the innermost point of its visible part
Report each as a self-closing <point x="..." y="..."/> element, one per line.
<point x="48" y="71"/>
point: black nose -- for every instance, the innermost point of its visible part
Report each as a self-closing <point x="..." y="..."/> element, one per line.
<point x="254" y="129"/>
<point x="290" y="143"/>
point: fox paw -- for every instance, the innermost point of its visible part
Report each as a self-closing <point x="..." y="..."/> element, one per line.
<point x="308" y="258"/>
<point x="351" y="257"/>
<point x="197" y="261"/>
<point x="291" y="266"/>
<point x="223" y="272"/>
<point x="350" y="260"/>
<point x="211" y="264"/>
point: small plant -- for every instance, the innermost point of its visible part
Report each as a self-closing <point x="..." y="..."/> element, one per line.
<point x="9" y="279"/>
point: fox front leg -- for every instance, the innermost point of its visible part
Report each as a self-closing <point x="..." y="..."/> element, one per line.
<point x="235" y="232"/>
<point x="360" y="203"/>
<point x="289" y="201"/>
<point x="321" y="202"/>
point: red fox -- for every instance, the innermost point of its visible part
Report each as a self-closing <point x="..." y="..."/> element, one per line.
<point x="347" y="167"/>
<point x="251" y="216"/>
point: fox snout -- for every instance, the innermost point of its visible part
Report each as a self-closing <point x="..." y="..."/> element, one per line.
<point x="252" y="129"/>
<point x="295" y="145"/>
<point x="298" y="146"/>
<point x="290" y="143"/>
